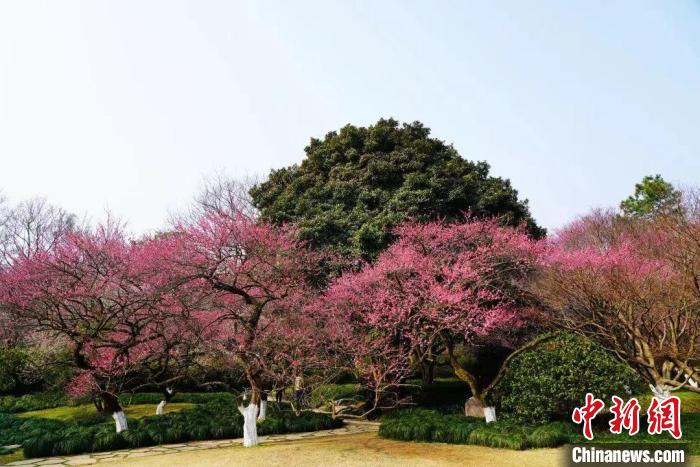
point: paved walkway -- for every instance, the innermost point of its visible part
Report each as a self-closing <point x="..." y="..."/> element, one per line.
<point x="350" y="427"/>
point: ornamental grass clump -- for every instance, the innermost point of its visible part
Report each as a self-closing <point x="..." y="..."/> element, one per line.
<point x="215" y="420"/>
<point x="432" y="426"/>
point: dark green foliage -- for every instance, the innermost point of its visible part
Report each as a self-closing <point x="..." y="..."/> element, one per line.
<point x="25" y="369"/>
<point x="214" y="420"/>
<point x="500" y="435"/>
<point x="551" y="435"/>
<point x="652" y="196"/>
<point x="432" y="426"/>
<point x="545" y="383"/>
<point x="28" y="402"/>
<point x="322" y="395"/>
<point x="191" y="397"/>
<point x="106" y="439"/>
<point x="355" y="185"/>
<point x="446" y="395"/>
<point x="74" y="440"/>
<point x="39" y="446"/>
<point x="14" y="430"/>
<point x="40" y="401"/>
<point x="136" y="436"/>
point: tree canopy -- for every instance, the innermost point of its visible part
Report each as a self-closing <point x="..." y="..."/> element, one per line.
<point x="651" y="196"/>
<point x="356" y="184"/>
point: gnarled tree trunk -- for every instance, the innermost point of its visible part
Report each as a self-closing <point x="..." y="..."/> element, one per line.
<point x="427" y="372"/>
<point x="476" y="405"/>
<point x="111" y="405"/>
<point x="250" y="413"/>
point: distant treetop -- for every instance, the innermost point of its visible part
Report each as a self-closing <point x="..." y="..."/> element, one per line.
<point x="652" y="196"/>
<point x="355" y="185"/>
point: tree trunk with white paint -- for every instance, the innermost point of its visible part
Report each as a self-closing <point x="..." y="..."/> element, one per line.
<point x="263" y="406"/>
<point x="661" y="392"/>
<point x="250" y="426"/>
<point x="112" y="406"/>
<point x="263" y="410"/>
<point x="475" y="407"/>
<point x="120" y="421"/>
<point x="168" y="394"/>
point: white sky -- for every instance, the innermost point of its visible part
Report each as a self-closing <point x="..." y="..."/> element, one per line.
<point x="127" y="105"/>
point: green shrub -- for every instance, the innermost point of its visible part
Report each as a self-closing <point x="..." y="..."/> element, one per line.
<point x="551" y="435"/>
<point x="191" y="397"/>
<point x="430" y="425"/>
<point x="545" y="383"/>
<point x="106" y="439"/>
<point x="74" y="440"/>
<point x="499" y="435"/>
<point x="14" y="430"/>
<point x="322" y="395"/>
<point x="26" y="369"/>
<point x="39" y="446"/>
<point x="411" y="425"/>
<point x="213" y="420"/>
<point x="28" y="402"/>
<point x="50" y="400"/>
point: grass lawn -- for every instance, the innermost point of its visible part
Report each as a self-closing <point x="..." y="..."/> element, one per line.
<point x="11" y="457"/>
<point x="88" y="412"/>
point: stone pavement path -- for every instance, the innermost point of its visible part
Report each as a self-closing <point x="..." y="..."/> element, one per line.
<point x="350" y="427"/>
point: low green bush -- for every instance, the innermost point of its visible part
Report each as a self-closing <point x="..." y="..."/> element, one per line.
<point x="46" y="400"/>
<point x="214" y="420"/>
<point x="322" y="395"/>
<point x="191" y="397"/>
<point x="14" y="430"/>
<point x="29" y="402"/>
<point x="433" y="426"/>
<point x="546" y="382"/>
<point x="27" y="369"/>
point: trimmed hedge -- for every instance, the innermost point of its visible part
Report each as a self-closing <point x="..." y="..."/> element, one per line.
<point x="217" y="419"/>
<point x="546" y="382"/>
<point x="46" y="400"/>
<point x="432" y="426"/>
<point x="29" y="402"/>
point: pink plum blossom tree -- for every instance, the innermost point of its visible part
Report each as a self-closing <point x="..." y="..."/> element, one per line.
<point x="97" y="292"/>
<point x="631" y="284"/>
<point x="255" y="281"/>
<point x="449" y="284"/>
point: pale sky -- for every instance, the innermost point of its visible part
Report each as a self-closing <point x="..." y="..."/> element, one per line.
<point x="128" y="105"/>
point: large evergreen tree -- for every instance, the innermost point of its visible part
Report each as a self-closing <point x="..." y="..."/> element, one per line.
<point x="356" y="184"/>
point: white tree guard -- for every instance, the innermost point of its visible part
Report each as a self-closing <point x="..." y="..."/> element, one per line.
<point x="250" y="426"/>
<point x="120" y="421"/>
<point x="660" y="392"/>
<point x="263" y="410"/>
<point x="490" y="414"/>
